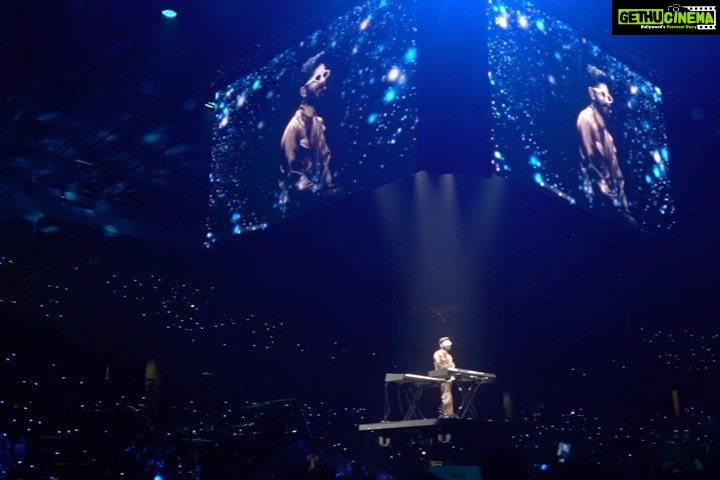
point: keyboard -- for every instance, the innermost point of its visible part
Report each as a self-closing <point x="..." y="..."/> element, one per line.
<point x="462" y="375"/>
<point x="419" y="380"/>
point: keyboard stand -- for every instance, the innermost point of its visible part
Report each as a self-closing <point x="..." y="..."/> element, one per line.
<point x="468" y="390"/>
<point x="408" y="394"/>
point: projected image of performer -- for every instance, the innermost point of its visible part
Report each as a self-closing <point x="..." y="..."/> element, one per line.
<point x="598" y="155"/>
<point x="443" y="359"/>
<point x="306" y="166"/>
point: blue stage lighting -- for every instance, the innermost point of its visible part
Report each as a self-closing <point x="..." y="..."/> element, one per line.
<point x="169" y="13"/>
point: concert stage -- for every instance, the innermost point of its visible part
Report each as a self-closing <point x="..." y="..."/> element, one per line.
<point x="440" y="429"/>
<point x="417" y="445"/>
<point x="425" y="422"/>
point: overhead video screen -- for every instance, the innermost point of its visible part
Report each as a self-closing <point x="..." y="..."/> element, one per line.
<point x="574" y="120"/>
<point x="333" y="115"/>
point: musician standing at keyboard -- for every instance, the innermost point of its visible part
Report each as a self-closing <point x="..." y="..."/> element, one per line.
<point x="443" y="359"/>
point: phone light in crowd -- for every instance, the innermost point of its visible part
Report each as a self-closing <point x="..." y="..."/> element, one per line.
<point x="169" y="13"/>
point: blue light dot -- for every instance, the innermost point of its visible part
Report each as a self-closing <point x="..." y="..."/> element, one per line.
<point x="169" y="13"/>
<point x="664" y="153"/>
<point x="540" y="24"/>
<point x="372" y="118"/>
<point x="390" y="95"/>
<point x="411" y="55"/>
<point x="535" y="161"/>
<point x="539" y="179"/>
<point x="257" y="84"/>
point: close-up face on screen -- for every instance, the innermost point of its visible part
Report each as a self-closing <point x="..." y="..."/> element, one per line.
<point x="576" y="121"/>
<point x="333" y="115"/>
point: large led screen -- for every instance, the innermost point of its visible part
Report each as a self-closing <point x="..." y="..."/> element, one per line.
<point x="574" y="120"/>
<point x="332" y="115"/>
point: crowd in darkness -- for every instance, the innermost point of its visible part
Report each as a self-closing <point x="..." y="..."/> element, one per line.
<point x="76" y="388"/>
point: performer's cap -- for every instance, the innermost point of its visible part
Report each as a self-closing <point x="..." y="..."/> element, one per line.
<point x="440" y="342"/>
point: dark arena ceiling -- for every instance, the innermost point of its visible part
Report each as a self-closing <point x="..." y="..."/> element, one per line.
<point x="103" y="123"/>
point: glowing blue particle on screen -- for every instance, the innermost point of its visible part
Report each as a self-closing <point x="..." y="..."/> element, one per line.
<point x="544" y="467"/>
<point x="411" y="55"/>
<point x="372" y="118"/>
<point x="390" y="95"/>
<point x="169" y="13"/>
<point x="658" y="171"/>
<point x="270" y="94"/>
<point x="540" y="24"/>
<point x="648" y="179"/>
<point x="158" y="477"/>
<point x="225" y="118"/>
<point x="522" y="21"/>
<point x="535" y="161"/>
<point x="152" y="137"/>
<point x="257" y="84"/>
<point x="539" y="179"/>
<point x="557" y="56"/>
<point x="498" y="155"/>
<point x="237" y="230"/>
<point x="383" y="3"/>
<point x="235" y="217"/>
<point x="664" y="154"/>
<point x="502" y="21"/>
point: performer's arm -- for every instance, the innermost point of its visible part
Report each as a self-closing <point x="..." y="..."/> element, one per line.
<point x="289" y="143"/>
<point x="437" y="360"/>
<point x="585" y="129"/>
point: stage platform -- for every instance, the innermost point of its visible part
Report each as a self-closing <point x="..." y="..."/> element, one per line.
<point x="405" y="424"/>
<point x="399" y="446"/>
<point x="435" y="430"/>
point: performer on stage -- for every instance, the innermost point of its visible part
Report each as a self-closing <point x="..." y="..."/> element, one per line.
<point x="306" y="166"/>
<point x="443" y="359"/>
<point x="598" y="154"/>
